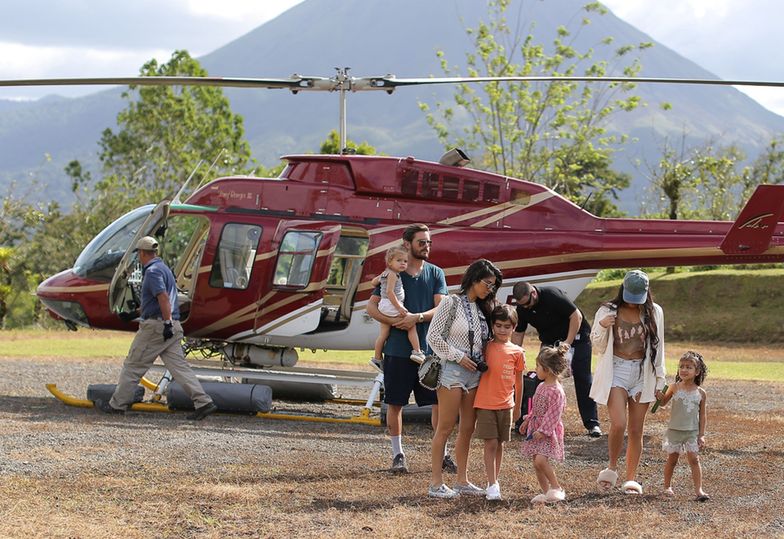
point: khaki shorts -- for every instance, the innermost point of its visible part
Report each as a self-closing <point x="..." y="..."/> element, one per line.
<point x="493" y="424"/>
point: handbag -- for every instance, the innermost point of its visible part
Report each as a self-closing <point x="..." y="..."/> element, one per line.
<point x="429" y="371"/>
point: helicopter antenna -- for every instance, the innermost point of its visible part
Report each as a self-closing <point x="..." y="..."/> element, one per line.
<point x="176" y="199"/>
<point x="184" y="185"/>
<point x="585" y="202"/>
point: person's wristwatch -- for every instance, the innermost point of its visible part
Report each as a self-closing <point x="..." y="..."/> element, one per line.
<point x="421" y="318"/>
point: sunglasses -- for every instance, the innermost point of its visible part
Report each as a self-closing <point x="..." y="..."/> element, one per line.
<point x="527" y="303"/>
<point x="422" y="243"/>
<point x="492" y="287"/>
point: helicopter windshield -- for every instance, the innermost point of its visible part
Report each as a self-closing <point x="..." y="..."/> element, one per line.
<point x="100" y="258"/>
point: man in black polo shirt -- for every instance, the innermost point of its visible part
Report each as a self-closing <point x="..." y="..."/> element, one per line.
<point x="557" y="318"/>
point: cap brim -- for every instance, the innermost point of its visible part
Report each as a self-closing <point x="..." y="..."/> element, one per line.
<point x="637" y="299"/>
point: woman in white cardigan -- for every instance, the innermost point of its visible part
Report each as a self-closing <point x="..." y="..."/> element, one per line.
<point x="628" y="336"/>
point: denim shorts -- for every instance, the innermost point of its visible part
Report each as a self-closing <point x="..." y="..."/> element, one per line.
<point x="628" y="375"/>
<point x="453" y="375"/>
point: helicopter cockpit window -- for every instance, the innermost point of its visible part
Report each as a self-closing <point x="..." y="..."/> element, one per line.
<point x="296" y="255"/>
<point x="102" y="255"/>
<point x="236" y="253"/>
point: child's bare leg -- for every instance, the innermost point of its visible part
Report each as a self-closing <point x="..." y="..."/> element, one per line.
<point x="541" y="476"/>
<point x="383" y="335"/>
<point x="548" y="471"/>
<point x="413" y="338"/>
<point x="499" y="455"/>
<point x="696" y="472"/>
<point x="491" y="466"/>
<point x="669" y="469"/>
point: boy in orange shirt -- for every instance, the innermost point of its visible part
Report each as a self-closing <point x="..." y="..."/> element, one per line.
<point x="500" y="391"/>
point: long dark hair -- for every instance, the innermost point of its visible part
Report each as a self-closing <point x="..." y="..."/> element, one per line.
<point x="648" y="321"/>
<point x="478" y="270"/>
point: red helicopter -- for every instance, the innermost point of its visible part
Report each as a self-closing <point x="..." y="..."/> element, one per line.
<point x="267" y="265"/>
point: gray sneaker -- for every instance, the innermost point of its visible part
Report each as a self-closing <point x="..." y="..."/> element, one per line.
<point x="469" y="489"/>
<point x="449" y="465"/>
<point x="441" y="491"/>
<point x="595" y="432"/>
<point x="399" y="464"/>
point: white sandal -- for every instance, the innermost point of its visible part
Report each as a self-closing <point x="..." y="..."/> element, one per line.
<point x="631" y="487"/>
<point x="607" y="476"/>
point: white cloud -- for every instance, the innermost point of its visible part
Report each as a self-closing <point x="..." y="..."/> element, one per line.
<point x="253" y="13"/>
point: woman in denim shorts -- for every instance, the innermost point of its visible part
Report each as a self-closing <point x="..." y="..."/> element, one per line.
<point x="461" y="351"/>
<point x="628" y="335"/>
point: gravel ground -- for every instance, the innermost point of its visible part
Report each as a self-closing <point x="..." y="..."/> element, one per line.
<point x="281" y="478"/>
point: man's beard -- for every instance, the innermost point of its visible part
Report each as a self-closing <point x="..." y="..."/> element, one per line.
<point x="419" y="255"/>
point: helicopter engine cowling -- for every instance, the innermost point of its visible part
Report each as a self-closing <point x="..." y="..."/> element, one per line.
<point x="262" y="357"/>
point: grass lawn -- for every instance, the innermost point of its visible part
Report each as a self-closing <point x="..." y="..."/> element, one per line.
<point x="728" y="361"/>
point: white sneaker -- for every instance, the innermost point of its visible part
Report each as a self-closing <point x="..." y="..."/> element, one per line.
<point x="441" y="491"/>
<point x="417" y="356"/>
<point x="493" y="492"/>
<point x="539" y="498"/>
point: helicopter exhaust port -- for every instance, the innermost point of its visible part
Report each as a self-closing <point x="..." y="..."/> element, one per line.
<point x="259" y="356"/>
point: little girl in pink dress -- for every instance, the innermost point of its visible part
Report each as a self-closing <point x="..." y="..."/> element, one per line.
<point x="543" y="425"/>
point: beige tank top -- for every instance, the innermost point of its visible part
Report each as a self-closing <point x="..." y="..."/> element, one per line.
<point x="628" y="339"/>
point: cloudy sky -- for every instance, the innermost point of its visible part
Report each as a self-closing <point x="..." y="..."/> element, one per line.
<point x="735" y="39"/>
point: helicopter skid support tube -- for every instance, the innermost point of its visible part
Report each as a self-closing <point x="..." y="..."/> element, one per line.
<point x="84" y="403"/>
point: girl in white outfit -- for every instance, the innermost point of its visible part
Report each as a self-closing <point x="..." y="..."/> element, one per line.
<point x="391" y="303"/>
<point x="628" y="336"/>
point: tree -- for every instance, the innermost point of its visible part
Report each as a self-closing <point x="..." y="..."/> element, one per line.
<point x="332" y="145"/>
<point x="164" y="134"/>
<point x="551" y="133"/>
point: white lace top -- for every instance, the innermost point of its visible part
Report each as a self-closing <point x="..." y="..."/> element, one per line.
<point x="685" y="413"/>
<point x="456" y="344"/>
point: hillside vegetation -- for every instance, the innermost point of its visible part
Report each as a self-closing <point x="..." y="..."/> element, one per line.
<point x="741" y="306"/>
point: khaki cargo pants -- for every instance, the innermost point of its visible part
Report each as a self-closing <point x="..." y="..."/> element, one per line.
<point x="148" y="345"/>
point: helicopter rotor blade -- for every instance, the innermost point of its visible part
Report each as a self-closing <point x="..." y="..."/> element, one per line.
<point x="387" y="83"/>
<point x="296" y="83"/>
<point x="390" y="82"/>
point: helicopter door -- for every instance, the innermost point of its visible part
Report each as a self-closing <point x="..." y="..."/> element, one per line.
<point x="293" y="305"/>
<point x="124" y="291"/>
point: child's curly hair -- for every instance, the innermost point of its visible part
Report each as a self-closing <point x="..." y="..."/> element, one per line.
<point x="553" y="358"/>
<point x="699" y="362"/>
<point x="394" y="250"/>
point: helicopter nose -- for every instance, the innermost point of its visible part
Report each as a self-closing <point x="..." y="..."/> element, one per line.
<point x="60" y="294"/>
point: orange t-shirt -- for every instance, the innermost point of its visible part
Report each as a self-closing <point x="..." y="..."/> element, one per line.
<point x="496" y="386"/>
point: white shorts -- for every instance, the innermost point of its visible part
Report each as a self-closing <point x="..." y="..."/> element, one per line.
<point x="627" y="374"/>
<point x="386" y="307"/>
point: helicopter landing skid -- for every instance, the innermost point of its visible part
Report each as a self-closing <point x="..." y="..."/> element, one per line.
<point x="319" y="376"/>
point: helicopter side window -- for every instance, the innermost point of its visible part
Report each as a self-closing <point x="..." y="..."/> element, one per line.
<point x="451" y="188"/>
<point x="470" y="191"/>
<point x="408" y="184"/>
<point x="296" y="255"/>
<point x="430" y="185"/>
<point x="491" y="193"/>
<point x="520" y="197"/>
<point x="236" y="253"/>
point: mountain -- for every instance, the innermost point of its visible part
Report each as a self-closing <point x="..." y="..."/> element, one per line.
<point x="376" y="37"/>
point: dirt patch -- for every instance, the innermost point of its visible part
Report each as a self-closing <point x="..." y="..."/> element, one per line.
<point x="71" y="472"/>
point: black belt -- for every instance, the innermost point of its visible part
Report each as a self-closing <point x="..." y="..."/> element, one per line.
<point x="157" y="318"/>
